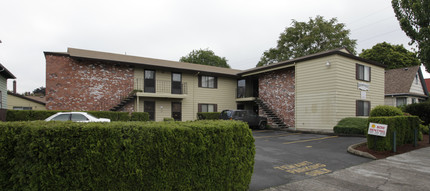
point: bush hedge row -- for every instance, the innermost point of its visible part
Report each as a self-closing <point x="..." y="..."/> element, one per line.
<point x="32" y="115"/>
<point x="208" y="115"/>
<point x="422" y="110"/>
<point x="200" y="155"/>
<point x="351" y="126"/>
<point x="404" y="127"/>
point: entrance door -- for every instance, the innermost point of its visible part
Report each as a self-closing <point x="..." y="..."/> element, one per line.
<point x="149" y="106"/>
<point x="177" y="111"/>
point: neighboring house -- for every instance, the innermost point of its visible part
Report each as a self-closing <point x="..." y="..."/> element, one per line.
<point x="405" y="86"/>
<point x="315" y="91"/>
<point x="20" y="102"/>
<point x="311" y="92"/>
<point x="4" y="75"/>
<point x="427" y="81"/>
<point x="83" y="80"/>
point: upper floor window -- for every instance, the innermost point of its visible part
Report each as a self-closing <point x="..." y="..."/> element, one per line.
<point x="208" y="82"/>
<point x="149" y="81"/>
<point x="362" y="72"/>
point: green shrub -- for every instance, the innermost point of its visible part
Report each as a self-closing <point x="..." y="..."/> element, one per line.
<point x="351" y="125"/>
<point x="199" y="155"/>
<point x="208" y="115"/>
<point x="385" y="110"/>
<point x="168" y="119"/>
<point x="422" y="110"/>
<point x="404" y="127"/>
<point x="33" y="115"/>
<point x="424" y="129"/>
<point x="139" y="116"/>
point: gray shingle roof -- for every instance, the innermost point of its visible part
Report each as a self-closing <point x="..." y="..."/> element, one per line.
<point x="399" y="81"/>
<point x="151" y="62"/>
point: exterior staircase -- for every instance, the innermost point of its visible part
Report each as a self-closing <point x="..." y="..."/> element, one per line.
<point x="271" y="116"/>
<point x="124" y="101"/>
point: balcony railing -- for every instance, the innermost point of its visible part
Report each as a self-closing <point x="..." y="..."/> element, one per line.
<point x="161" y="86"/>
<point x="241" y="93"/>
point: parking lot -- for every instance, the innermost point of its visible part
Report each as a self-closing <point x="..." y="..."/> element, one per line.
<point x="283" y="157"/>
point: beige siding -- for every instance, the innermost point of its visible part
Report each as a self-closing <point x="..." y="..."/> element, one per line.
<point x="417" y="87"/>
<point x="326" y="94"/>
<point x="3" y="91"/>
<point x="223" y="96"/>
<point x="315" y="94"/>
<point x="14" y="101"/>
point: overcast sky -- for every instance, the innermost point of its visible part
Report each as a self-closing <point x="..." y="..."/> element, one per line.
<point x="240" y="30"/>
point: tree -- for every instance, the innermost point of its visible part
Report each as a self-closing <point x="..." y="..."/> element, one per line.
<point x="302" y="39"/>
<point x="39" y="91"/>
<point x="414" y="19"/>
<point x="394" y="56"/>
<point x="205" y="57"/>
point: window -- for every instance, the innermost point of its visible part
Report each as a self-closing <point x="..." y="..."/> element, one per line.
<point x="22" y="108"/>
<point x="149" y="81"/>
<point x="79" y="117"/>
<point x="1" y="100"/>
<point x="414" y="100"/>
<point x="208" y="82"/>
<point x="176" y="83"/>
<point x="62" y="117"/>
<point x="362" y="108"/>
<point x="241" y="88"/>
<point x="400" y="101"/>
<point x="362" y="72"/>
<point x="207" y="108"/>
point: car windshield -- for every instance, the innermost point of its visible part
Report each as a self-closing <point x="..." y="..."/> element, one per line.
<point x="239" y="113"/>
<point x="226" y="113"/>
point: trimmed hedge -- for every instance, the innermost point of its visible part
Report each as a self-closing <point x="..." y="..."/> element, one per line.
<point x="422" y="110"/>
<point x="351" y="126"/>
<point x="404" y="127"/>
<point x="33" y="115"/>
<point x="199" y="155"/>
<point x="385" y="110"/>
<point x="208" y="115"/>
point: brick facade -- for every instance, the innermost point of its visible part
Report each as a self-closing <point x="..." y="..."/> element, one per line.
<point x="86" y="85"/>
<point x="277" y="90"/>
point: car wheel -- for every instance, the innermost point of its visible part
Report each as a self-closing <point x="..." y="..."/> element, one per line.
<point x="262" y="126"/>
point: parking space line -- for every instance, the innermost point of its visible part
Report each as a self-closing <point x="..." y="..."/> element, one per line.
<point x="281" y="135"/>
<point x="307" y="140"/>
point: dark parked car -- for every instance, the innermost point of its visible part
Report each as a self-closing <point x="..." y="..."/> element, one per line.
<point x="248" y="116"/>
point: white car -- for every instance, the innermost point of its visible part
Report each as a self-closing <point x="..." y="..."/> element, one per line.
<point x="76" y="117"/>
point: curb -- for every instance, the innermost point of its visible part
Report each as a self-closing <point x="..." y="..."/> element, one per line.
<point x="352" y="150"/>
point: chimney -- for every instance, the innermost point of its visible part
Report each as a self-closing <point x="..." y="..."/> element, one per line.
<point x="14" y="86"/>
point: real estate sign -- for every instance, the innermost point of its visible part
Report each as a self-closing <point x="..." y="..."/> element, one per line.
<point x="377" y="129"/>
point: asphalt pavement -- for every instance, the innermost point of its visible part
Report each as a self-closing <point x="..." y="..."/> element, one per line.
<point x="284" y="157"/>
<point x="408" y="171"/>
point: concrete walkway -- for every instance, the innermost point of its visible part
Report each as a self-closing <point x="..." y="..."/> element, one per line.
<point x="408" y="171"/>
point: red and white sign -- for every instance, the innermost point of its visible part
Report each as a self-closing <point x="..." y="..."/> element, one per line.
<point x="377" y="129"/>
